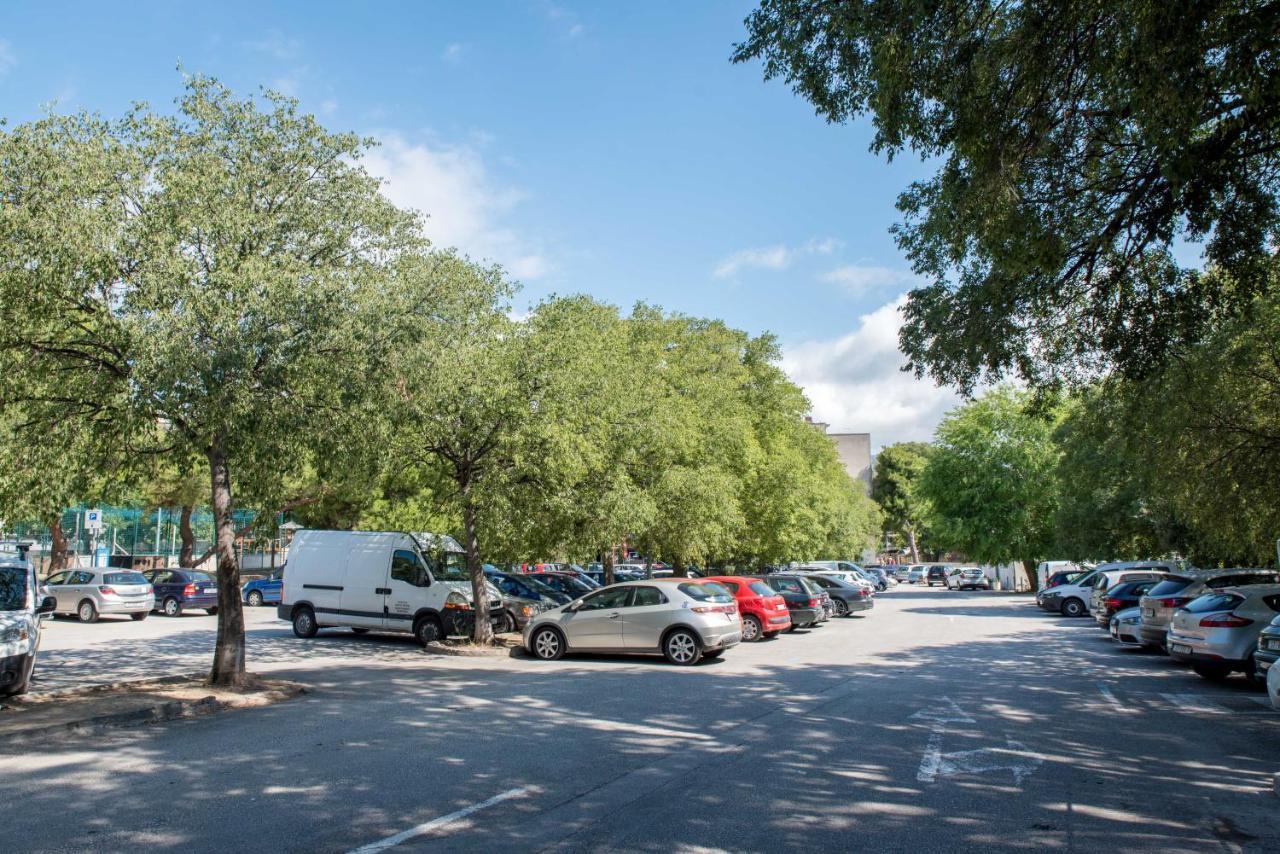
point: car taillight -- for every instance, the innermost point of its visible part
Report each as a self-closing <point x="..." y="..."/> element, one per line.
<point x="105" y="590"/>
<point x="1112" y="602"/>
<point x="1228" y="621"/>
<point x="1173" y="602"/>
<point x="814" y="603"/>
<point x="189" y="590"/>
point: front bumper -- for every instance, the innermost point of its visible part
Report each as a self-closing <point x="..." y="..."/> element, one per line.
<point x="1125" y="634"/>
<point x="1050" y="602"/>
<point x="16" y="669"/>
<point x="127" y="606"/>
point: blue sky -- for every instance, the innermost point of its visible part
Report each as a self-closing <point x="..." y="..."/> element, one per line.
<point x="610" y="149"/>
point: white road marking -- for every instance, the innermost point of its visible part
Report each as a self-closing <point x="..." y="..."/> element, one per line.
<point x="1193" y="703"/>
<point x="442" y="821"/>
<point x="946" y="711"/>
<point x="931" y="761"/>
<point x="1014" y="758"/>
<point x="1113" y="700"/>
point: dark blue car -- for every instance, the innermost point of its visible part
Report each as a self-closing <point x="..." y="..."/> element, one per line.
<point x="180" y="589"/>
<point x="264" y="591"/>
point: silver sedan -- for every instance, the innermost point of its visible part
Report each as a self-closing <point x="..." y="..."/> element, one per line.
<point x="683" y="619"/>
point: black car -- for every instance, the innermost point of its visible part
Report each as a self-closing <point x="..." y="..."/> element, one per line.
<point x="1124" y="595"/>
<point x="845" y="597"/>
<point x="936" y="575"/>
<point x="563" y="582"/>
<point x="805" y="606"/>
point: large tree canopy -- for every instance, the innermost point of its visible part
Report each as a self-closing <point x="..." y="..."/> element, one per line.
<point x="1077" y="144"/>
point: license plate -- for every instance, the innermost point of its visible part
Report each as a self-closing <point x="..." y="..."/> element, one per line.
<point x="1148" y="612"/>
<point x="1180" y="647"/>
<point x="1272" y="644"/>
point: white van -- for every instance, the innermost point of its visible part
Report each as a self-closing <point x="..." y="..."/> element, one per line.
<point x="378" y="581"/>
<point x="22" y="609"/>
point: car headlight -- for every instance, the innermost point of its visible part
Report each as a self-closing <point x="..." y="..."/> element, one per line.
<point x="527" y="610"/>
<point x="16" y="634"/>
<point x="457" y="600"/>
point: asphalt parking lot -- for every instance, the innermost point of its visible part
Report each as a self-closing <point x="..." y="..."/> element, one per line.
<point x="941" y="721"/>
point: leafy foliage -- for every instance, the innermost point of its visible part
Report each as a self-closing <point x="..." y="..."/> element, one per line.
<point x="895" y="487"/>
<point x="1077" y="143"/>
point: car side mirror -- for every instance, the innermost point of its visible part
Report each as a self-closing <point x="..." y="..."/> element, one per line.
<point x="573" y="606"/>
<point x="47" y="604"/>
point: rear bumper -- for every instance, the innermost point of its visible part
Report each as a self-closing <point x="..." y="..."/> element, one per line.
<point x="805" y="616"/>
<point x="1153" y="635"/>
<point x="861" y="604"/>
<point x="128" y="606"/>
<point x="713" y="639"/>
<point x="1207" y="653"/>
<point x="200" y="602"/>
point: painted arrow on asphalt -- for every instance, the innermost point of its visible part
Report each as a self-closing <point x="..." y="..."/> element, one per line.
<point x="1015" y="758"/>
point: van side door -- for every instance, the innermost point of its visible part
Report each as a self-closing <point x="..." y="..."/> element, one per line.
<point x="406" y="589"/>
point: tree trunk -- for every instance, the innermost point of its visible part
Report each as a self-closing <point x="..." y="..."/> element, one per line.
<point x="915" y="552"/>
<point x="228" y="653"/>
<point x="187" y="554"/>
<point x="481" y="632"/>
<point x="608" y="566"/>
<point x="679" y="570"/>
<point x="57" y="545"/>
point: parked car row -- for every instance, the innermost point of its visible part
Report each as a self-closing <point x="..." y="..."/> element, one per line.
<point x="1219" y="621"/>
<point x="90" y="593"/>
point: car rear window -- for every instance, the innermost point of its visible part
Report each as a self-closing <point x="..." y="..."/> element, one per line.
<point x="1214" y="602"/>
<point x="761" y="589"/>
<point x="1242" y="579"/>
<point x="199" y="576"/>
<point x="123" y="578"/>
<point x="707" y="591"/>
<point x="1170" y="586"/>
<point x="731" y="586"/>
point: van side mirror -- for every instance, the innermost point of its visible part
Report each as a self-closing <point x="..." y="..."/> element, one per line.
<point x="47" y="604"/>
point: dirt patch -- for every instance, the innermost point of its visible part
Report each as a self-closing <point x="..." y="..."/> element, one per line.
<point x="135" y="703"/>
<point x="501" y="647"/>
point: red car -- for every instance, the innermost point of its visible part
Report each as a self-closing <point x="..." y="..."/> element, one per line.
<point x="764" y="612"/>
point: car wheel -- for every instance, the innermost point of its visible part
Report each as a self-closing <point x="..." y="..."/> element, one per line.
<point x="506" y="624"/>
<point x="751" y="629"/>
<point x="255" y="599"/>
<point x="1212" y="672"/>
<point x="212" y="612"/>
<point x="139" y="617"/>
<point x="172" y="607"/>
<point x="304" y="623"/>
<point x="1256" y="675"/>
<point x="682" y="648"/>
<point x="547" y="643"/>
<point x="1073" y="608"/>
<point x="841" y="607"/>
<point x="87" y="612"/>
<point x="428" y="630"/>
<point x="359" y="630"/>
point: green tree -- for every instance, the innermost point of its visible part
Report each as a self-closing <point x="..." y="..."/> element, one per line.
<point x="990" y="482"/>
<point x="894" y="484"/>
<point x="222" y="282"/>
<point x="1076" y="144"/>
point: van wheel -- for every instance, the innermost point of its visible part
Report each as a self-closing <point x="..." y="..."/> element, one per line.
<point x="304" y="623"/>
<point x="428" y="630"/>
<point x="682" y="648"/>
<point x="1073" y="608"/>
<point x="547" y="644"/>
<point x="751" y="629"/>
<point x="255" y="599"/>
<point x="87" y="612"/>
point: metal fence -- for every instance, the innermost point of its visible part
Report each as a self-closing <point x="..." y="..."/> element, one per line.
<point x="130" y="531"/>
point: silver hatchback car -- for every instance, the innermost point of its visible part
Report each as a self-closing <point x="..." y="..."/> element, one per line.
<point x="89" y="593"/>
<point x="683" y="619"/>
<point x="1217" y="633"/>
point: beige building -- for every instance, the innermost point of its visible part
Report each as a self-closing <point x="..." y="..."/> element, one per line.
<point x="854" y="450"/>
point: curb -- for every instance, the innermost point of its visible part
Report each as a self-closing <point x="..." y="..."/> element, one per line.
<point x="159" y="713"/>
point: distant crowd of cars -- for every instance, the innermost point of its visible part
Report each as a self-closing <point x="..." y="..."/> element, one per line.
<point x="951" y="577"/>
<point x="1217" y="621"/>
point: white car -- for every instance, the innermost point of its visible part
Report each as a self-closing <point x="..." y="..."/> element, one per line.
<point x="1273" y="687"/>
<point x="22" y="609"/>
<point x="379" y="581"/>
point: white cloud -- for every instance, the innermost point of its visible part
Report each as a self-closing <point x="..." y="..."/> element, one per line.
<point x="855" y="383"/>
<point x="328" y="106"/>
<point x="452" y="53"/>
<point x="868" y="279"/>
<point x="276" y="45"/>
<point x="565" y="18"/>
<point x="778" y="257"/>
<point x="8" y="59"/>
<point x="464" y="206"/>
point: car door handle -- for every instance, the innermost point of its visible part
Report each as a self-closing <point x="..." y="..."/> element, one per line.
<point x="382" y="591"/>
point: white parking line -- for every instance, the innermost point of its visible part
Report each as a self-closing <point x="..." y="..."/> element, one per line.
<point x="1113" y="700"/>
<point x="442" y="821"/>
<point x="931" y="761"/>
<point x="1193" y="703"/>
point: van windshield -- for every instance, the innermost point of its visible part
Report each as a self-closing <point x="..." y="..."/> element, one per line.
<point x="13" y="588"/>
<point x="453" y="567"/>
